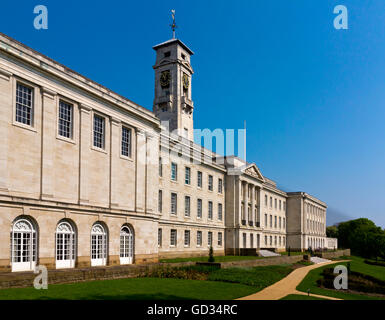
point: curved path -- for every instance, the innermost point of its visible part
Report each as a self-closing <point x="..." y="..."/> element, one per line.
<point x="288" y="285"/>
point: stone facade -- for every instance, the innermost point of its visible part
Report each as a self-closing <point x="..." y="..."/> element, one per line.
<point x="306" y="222"/>
<point x="88" y="177"/>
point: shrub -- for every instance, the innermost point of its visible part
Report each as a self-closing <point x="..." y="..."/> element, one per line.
<point x="356" y="281"/>
<point x="211" y="254"/>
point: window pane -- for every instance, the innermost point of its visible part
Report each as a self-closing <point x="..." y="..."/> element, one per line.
<point x="98" y="131"/>
<point x="24" y="104"/>
<point x="126" y="142"/>
<point x="65" y="119"/>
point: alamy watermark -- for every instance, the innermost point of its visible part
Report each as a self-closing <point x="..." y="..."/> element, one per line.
<point x="41" y="280"/>
<point x="341" y="280"/>
<point x="341" y="20"/>
<point x="41" y="20"/>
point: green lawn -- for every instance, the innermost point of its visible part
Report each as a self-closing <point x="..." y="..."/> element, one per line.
<point x="222" y="284"/>
<point x="134" y="289"/>
<point x="357" y="264"/>
<point x="300" y="297"/>
<point x="205" y="259"/>
<point x="258" y="277"/>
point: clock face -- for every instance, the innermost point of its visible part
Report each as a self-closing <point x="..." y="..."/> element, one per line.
<point x="165" y="79"/>
<point x="186" y="81"/>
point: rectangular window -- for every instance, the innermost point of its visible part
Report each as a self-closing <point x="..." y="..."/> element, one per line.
<point x="159" y="237"/>
<point x="275" y="221"/>
<point x="271" y="240"/>
<point x="210" y="183"/>
<point x="160" y="168"/>
<point x="280" y="222"/>
<point x="275" y="240"/>
<point x="199" y="238"/>
<point x="174" y="171"/>
<point x="173" y="237"/>
<point x="187" y="238"/>
<point x="210" y="215"/>
<point x="271" y="202"/>
<point x="284" y="222"/>
<point x="275" y="203"/>
<point x="265" y="200"/>
<point x="271" y="221"/>
<point x="160" y="200"/>
<point x="265" y="240"/>
<point x="173" y="203"/>
<point x="220" y="216"/>
<point x="187" y="206"/>
<point x="210" y="238"/>
<point x="284" y="206"/>
<point x="220" y="186"/>
<point x="265" y="219"/>
<point x="251" y="241"/>
<point x="199" y="179"/>
<point x="220" y="239"/>
<point x="187" y="178"/>
<point x="126" y="142"/>
<point x="24" y="104"/>
<point x="199" y="208"/>
<point x="65" y="119"/>
<point x="280" y="205"/>
<point x="99" y="130"/>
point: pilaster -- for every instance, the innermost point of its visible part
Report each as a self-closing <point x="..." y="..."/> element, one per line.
<point x="48" y="137"/>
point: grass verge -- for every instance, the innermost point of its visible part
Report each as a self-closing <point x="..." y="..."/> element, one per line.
<point x="356" y="264"/>
<point x="133" y="289"/>
<point x="300" y="297"/>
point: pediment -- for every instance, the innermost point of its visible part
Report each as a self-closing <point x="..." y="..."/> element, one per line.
<point x="253" y="171"/>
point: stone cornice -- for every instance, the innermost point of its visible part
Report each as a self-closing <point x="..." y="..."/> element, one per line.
<point x="45" y="64"/>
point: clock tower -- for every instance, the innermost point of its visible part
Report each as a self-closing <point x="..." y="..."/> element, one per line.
<point x="172" y="100"/>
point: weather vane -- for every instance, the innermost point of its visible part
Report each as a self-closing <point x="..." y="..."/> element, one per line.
<point x="173" y="25"/>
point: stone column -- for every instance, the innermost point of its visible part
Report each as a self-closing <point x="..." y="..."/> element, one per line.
<point x="114" y="160"/>
<point x="152" y="169"/>
<point x="245" y="201"/>
<point x="85" y="132"/>
<point x="253" y="204"/>
<point x="141" y="151"/>
<point x="237" y="202"/>
<point x="6" y="102"/>
<point x="259" y="206"/>
<point x="48" y="133"/>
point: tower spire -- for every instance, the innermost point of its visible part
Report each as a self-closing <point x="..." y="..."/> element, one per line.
<point x="173" y="25"/>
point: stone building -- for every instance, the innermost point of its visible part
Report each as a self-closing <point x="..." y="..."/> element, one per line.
<point x="306" y="221"/>
<point x="90" y="178"/>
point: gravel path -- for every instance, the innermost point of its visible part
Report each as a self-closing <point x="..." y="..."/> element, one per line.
<point x="288" y="285"/>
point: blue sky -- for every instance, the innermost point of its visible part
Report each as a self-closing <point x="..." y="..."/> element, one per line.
<point x="313" y="96"/>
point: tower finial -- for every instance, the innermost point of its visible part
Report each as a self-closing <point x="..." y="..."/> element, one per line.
<point x="173" y="25"/>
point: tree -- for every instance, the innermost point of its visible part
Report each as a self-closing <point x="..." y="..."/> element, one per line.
<point x="362" y="236"/>
<point x="332" y="231"/>
<point x="211" y="254"/>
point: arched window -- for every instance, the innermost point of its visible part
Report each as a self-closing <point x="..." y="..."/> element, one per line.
<point x="23" y="245"/>
<point x="126" y="245"/>
<point x="98" y="245"/>
<point x="65" y="245"/>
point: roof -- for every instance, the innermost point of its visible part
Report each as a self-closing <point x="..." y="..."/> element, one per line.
<point x="171" y="41"/>
<point x="308" y="196"/>
<point x="45" y="59"/>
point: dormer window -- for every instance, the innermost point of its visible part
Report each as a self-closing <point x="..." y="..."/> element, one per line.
<point x="167" y="54"/>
